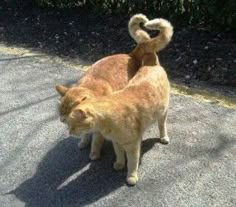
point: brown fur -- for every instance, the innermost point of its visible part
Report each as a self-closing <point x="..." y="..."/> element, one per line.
<point x="111" y="74"/>
<point x="123" y="116"/>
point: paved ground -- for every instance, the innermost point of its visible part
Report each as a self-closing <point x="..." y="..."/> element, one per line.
<point x="41" y="166"/>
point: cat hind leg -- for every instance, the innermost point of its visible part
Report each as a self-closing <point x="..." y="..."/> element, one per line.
<point x="162" y="119"/>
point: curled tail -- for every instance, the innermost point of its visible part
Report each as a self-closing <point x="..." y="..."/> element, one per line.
<point x="166" y="32"/>
<point x="135" y="31"/>
<point x="145" y="43"/>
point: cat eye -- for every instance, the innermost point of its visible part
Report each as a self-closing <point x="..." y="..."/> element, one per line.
<point x="77" y="102"/>
<point x="84" y="98"/>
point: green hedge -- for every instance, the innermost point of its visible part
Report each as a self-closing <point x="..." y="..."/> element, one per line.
<point x="194" y="12"/>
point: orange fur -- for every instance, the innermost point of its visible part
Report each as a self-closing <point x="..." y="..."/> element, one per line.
<point x="105" y="76"/>
<point x="112" y="73"/>
<point x="123" y="116"/>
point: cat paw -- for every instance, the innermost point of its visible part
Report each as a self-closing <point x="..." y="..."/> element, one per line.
<point x="164" y="140"/>
<point x="118" y="165"/>
<point x="83" y="145"/>
<point x="94" y="155"/>
<point x="132" y="180"/>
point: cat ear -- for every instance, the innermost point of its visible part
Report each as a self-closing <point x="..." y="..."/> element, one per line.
<point x="61" y="89"/>
<point x="78" y="114"/>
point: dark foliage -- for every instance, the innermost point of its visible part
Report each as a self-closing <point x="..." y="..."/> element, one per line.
<point x="211" y="13"/>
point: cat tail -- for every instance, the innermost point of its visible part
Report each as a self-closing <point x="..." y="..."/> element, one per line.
<point x="163" y="38"/>
<point x="145" y="43"/>
<point x="135" y="31"/>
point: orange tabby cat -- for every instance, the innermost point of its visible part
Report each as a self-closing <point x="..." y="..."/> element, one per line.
<point x="123" y="116"/>
<point x="113" y="73"/>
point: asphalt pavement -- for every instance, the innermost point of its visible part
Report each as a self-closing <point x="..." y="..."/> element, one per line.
<point x="41" y="166"/>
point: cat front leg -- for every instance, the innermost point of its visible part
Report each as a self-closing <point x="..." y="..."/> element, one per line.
<point x="164" y="138"/>
<point x="84" y="141"/>
<point x="133" y="155"/>
<point x="96" y="146"/>
<point x="119" y="164"/>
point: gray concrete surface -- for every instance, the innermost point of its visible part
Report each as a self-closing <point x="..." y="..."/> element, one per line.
<point x="41" y="166"/>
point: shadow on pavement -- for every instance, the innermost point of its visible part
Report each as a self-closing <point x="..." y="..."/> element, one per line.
<point x="65" y="176"/>
<point x="221" y="147"/>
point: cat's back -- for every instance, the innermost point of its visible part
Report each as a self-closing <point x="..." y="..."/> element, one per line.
<point x="116" y="70"/>
<point x="151" y="72"/>
<point x="150" y="75"/>
<point x="149" y="90"/>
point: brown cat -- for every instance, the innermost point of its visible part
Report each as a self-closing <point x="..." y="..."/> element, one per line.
<point x="113" y="73"/>
<point x="123" y="116"/>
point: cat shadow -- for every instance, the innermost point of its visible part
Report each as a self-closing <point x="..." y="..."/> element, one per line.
<point x="66" y="176"/>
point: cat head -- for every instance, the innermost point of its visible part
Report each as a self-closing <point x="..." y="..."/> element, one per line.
<point x="70" y="98"/>
<point x="82" y="119"/>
